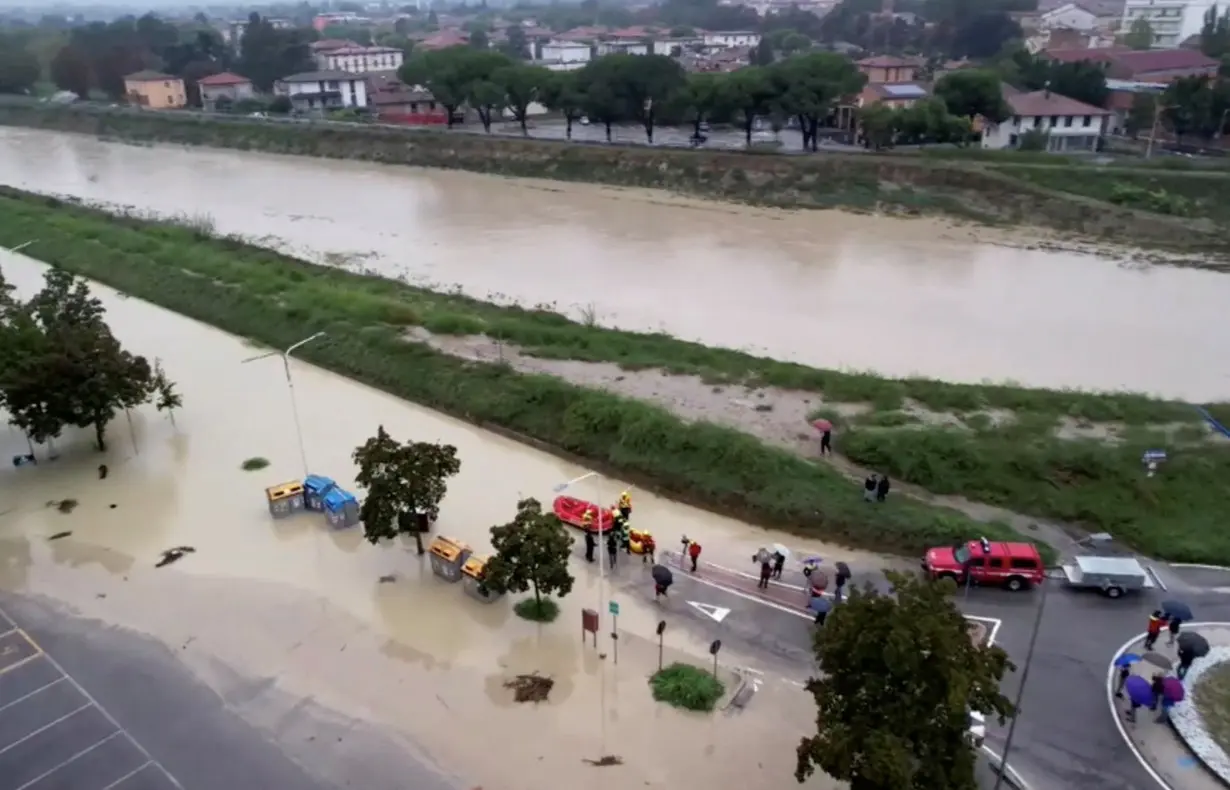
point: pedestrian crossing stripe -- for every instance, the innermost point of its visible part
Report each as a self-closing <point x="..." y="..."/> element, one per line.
<point x="718" y="613"/>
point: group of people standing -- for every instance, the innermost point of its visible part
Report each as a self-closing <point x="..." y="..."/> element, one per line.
<point x="875" y="488"/>
<point x="618" y="536"/>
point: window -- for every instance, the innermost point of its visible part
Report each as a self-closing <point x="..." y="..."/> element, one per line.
<point x="995" y="562"/>
<point x="1054" y="120"/>
<point x="1037" y="121"/>
<point x="1016" y="120"/>
<point x="166" y="84"/>
<point x="1067" y="121"/>
<point x="1024" y="564"/>
<point x="1013" y="141"/>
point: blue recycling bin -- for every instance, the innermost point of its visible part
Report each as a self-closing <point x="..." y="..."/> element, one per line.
<point x="341" y="508"/>
<point x="315" y="487"/>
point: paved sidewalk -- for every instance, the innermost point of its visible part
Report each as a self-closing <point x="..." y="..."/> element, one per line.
<point x="1158" y="744"/>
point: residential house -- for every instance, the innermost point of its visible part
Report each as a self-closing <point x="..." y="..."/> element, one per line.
<point x="1164" y="65"/>
<point x="330" y="44"/>
<point x="443" y="40"/>
<point x="359" y="60"/>
<point x="731" y="39"/>
<point x="407" y="105"/>
<point x="1069" y="125"/>
<point x="317" y="91"/>
<point x="1121" y="98"/>
<point x="322" y="21"/>
<point x="895" y="95"/>
<point x="565" y="55"/>
<point x="232" y="32"/>
<point x="225" y="87"/>
<point x="1172" y="21"/>
<point x="1070" y="16"/>
<point x="155" y="90"/>
<point x="624" y="46"/>
<point x="889" y="69"/>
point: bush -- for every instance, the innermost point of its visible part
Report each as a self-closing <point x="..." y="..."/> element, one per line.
<point x="688" y="687"/>
<point x="539" y="611"/>
<point x="254" y="463"/>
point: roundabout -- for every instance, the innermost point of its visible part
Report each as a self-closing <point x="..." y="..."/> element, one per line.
<point x="1185" y="751"/>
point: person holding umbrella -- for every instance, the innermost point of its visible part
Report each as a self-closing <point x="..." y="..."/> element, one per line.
<point x="1175" y="612"/>
<point x="839" y="581"/>
<point x="780" y="553"/>
<point x="821" y="606"/>
<point x="662" y="580"/>
<point x="1124" y="663"/>
<point x="1172" y="692"/>
<point x="825" y="427"/>
<point x="1140" y="694"/>
<point x="1154" y="629"/>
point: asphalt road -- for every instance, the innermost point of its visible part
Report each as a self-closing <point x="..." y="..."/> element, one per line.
<point x="83" y="705"/>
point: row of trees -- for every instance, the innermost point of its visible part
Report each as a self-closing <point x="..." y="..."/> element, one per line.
<point x="872" y="648"/>
<point x="61" y="366"/>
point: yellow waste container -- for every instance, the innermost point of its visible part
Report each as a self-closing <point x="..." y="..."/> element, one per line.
<point x="285" y="499"/>
<point x="472" y="579"/>
<point x="447" y="557"/>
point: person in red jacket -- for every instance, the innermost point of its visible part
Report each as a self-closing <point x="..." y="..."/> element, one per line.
<point x="694" y="553"/>
<point x="1156" y="621"/>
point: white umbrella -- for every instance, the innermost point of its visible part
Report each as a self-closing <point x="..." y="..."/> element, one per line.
<point x="782" y="550"/>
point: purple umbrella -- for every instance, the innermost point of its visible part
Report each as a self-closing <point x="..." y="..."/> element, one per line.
<point x="1172" y="690"/>
<point x="1139" y="691"/>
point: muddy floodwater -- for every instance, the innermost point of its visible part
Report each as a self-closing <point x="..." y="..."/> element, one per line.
<point x="306" y="606"/>
<point x="831" y="289"/>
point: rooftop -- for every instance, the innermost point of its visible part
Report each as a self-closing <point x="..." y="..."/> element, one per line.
<point x="149" y="75"/>
<point x="357" y="50"/>
<point x="1050" y="103"/>
<point x="320" y="76"/>
<point x="902" y="90"/>
<point x="888" y="62"/>
<point x="223" y="79"/>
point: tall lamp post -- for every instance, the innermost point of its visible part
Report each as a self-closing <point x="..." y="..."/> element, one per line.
<point x="1020" y="692"/>
<point x="290" y="385"/>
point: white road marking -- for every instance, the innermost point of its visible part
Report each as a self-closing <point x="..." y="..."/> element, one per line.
<point x="1013" y="776"/>
<point x="22" y="698"/>
<point x="1199" y="566"/>
<point x="81" y="753"/>
<point x="133" y="773"/>
<point x="718" y="613"/>
<point x="44" y="728"/>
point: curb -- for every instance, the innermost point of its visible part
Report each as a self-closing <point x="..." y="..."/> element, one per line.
<point x="1009" y="773"/>
<point x="1200" y="566"/>
<point x="1110" y="703"/>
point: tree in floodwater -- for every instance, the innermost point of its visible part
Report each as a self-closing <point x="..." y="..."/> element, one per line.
<point x="901" y="675"/>
<point x="405" y="484"/>
<point x="531" y="553"/>
<point x="166" y="398"/>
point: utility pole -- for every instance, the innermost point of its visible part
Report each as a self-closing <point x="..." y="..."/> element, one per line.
<point x="1020" y="692"/>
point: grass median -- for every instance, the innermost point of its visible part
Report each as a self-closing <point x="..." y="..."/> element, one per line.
<point x="277" y="300"/>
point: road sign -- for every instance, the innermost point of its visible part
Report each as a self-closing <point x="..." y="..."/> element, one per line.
<point x="613" y="608"/>
<point x="718" y="613"/>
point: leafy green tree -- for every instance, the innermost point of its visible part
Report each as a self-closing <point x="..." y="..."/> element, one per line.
<point x="562" y="94"/>
<point x="1141" y="114"/>
<point x="457" y="76"/>
<point x="1215" y="33"/>
<point x="749" y="93"/>
<point x="523" y="85"/>
<point x="972" y="92"/>
<point x="810" y="86"/>
<point x="166" y="398"/>
<point x="980" y="35"/>
<point x="486" y="97"/>
<point x="763" y="54"/>
<point x="644" y="84"/>
<point x="901" y="675"/>
<point x="19" y="68"/>
<point x="599" y="84"/>
<point x="517" y="46"/>
<point x="531" y="553"/>
<point x="267" y="54"/>
<point x="479" y="40"/>
<point x="1140" y="35"/>
<point x="701" y="99"/>
<point x="404" y="483"/>
<point x="70" y="71"/>
<point x="879" y="125"/>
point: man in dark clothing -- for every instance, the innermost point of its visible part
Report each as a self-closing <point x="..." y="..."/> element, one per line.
<point x="1154" y="629"/>
<point x="839" y="582"/>
<point x="612" y="546"/>
<point x="882" y="488"/>
<point x="1173" y="626"/>
<point x="826" y="442"/>
<point x="1158" y="688"/>
<point x="1186" y="657"/>
<point x="869" y="488"/>
<point x="591" y="543"/>
<point x="1125" y="672"/>
<point x="766" y="572"/>
<point x="820" y="617"/>
<point x="779" y="564"/>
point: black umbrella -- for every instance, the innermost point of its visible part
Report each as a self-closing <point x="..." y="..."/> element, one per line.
<point x="1194" y="643"/>
<point x="843" y="570"/>
<point x="1177" y="610"/>
<point x="662" y="576"/>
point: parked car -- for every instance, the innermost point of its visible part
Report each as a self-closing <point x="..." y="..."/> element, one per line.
<point x="1016" y="566"/>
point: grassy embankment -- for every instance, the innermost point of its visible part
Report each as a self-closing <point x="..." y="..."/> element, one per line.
<point x="1007" y="448"/>
<point x="277" y="300"/>
<point x="987" y="189"/>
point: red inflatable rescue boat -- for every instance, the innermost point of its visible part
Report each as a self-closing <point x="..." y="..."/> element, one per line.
<point x="571" y="511"/>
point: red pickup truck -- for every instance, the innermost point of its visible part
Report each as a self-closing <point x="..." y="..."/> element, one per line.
<point x="1016" y="566"/>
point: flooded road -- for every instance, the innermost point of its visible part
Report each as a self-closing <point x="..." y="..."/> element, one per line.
<point x="299" y="612"/>
<point x="899" y="297"/>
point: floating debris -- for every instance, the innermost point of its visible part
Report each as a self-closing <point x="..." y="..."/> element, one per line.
<point x="253" y="464"/>
<point x="388" y="578"/>
<point x="530" y="688"/>
<point x="602" y="762"/>
<point x="173" y="555"/>
<point x="61" y="535"/>
<point x="102" y="471"/>
<point x="63" y="505"/>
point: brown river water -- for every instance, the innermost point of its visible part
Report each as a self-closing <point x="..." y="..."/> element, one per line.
<point x="298" y="602"/>
<point x="830" y="289"/>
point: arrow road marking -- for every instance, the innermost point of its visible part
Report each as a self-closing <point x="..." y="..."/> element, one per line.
<point x="718" y="613"/>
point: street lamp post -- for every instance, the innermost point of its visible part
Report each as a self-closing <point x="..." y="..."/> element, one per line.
<point x="290" y="385"/>
<point x="1020" y="692"/>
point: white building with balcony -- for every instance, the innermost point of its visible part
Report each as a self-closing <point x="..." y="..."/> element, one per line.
<point x="317" y="91"/>
<point x="565" y="55"/>
<point x="730" y="39"/>
<point x="360" y="60"/>
<point x="1172" y="21"/>
<point x="624" y="46"/>
<point x="1069" y="125"/>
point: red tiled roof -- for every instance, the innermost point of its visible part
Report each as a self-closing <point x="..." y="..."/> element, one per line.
<point x="1049" y="103"/>
<point x="445" y="39"/>
<point x="327" y="44"/>
<point x="1164" y="60"/>
<point x="888" y="62"/>
<point x="1104" y="55"/>
<point x="220" y="80"/>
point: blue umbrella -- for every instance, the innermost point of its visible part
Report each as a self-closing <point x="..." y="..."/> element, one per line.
<point x="1127" y="659"/>
<point x="820" y="605"/>
<point x="1139" y="691"/>
<point x="1177" y="610"/>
